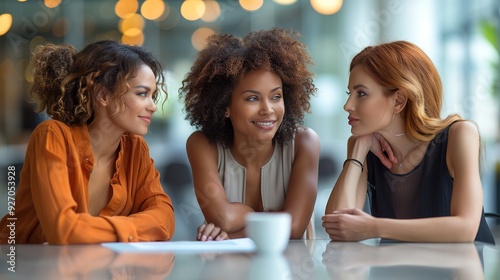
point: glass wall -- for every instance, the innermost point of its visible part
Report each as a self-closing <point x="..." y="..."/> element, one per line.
<point x="461" y="37"/>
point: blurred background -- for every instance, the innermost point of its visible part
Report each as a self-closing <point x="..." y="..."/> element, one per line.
<point x="460" y="36"/>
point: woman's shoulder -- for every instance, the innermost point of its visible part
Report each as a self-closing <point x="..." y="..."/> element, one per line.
<point x="199" y="142"/>
<point x="53" y="126"/>
<point x="457" y="130"/>
<point x="306" y="134"/>
<point x="306" y="139"/>
<point x="197" y="137"/>
<point x="463" y="133"/>
<point x="463" y="127"/>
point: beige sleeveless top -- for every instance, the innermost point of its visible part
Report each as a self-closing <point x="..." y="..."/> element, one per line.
<point x="274" y="176"/>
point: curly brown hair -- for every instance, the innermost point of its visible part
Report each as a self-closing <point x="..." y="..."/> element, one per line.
<point x="207" y="88"/>
<point x="66" y="82"/>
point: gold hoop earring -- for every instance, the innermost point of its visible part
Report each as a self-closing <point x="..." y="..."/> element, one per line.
<point x="395" y="134"/>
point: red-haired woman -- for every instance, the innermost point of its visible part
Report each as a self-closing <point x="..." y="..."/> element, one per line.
<point x="421" y="172"/>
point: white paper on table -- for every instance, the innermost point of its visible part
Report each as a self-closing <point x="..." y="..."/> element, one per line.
<point x="231" y="245"/>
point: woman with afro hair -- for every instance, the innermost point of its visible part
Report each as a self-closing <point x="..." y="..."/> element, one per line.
<point x="247" y="97"/>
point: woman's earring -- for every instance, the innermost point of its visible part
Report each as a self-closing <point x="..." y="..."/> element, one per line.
<point x="226" y="115"/>
<point x="395" y="134"/>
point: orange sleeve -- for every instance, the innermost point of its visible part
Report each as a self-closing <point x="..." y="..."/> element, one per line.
<point x="56" y="208"/>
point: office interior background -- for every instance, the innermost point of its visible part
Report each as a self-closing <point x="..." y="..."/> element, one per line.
<point x="461" y="37"/>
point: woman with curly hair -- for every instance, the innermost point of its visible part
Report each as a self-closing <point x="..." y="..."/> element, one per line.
<point x="248" y="97"/>
<point x="421" y="171"/>
<point x="87" y="176"/>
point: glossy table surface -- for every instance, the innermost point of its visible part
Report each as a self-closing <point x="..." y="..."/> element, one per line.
<point x="309" y="259"/>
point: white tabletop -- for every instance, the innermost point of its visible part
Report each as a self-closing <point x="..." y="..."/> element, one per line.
<point x="309" y="259"/>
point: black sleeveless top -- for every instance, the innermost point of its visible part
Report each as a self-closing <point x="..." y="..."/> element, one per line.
<point x="421" y="193"/>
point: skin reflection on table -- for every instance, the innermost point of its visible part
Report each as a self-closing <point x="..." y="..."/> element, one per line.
<point x="310" y="259"/>
<point x="406" y="261"/>
<point x="84" y="262"/>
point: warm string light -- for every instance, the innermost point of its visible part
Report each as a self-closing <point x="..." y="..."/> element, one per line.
<point x="126" y="8"/>
<point x="285" y="2"/>
<point x="152" y="9"/>
<point x="212" y="11"/>
<point x="5" y="23"/>
<point x="52" y="3"/>
<point x="132" y="22"/>
<point x="193" y="9"/>
<point x="199" y="37"/>
<point x="327" y="7"/>
<point x="251" y="5"/>
<point x="136" y="40"/>
<point x="131" y="28"/>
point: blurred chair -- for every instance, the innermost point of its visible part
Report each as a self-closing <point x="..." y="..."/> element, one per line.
<point x="327" y="168"/>
<point x="494" y="225"/>
<point x="492" y="215"/>
<point x="176" y="174"/>
<point x="177" y="182"/>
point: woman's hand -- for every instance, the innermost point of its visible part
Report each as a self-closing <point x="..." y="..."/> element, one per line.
<point x="349" y="225"/>
<point x="209" y="232"/>
<point x="379" y="145"/>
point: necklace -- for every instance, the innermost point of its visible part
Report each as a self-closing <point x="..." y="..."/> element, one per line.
<point x="402" y="163"/>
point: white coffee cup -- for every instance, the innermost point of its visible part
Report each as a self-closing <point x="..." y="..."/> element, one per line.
<point x="269" y="231"/>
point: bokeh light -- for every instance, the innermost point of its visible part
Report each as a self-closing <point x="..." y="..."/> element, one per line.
<point x="193" y="9"/>
<point x="212" y="11"/>
<point x="36" y="41"/>
<point x="5" y="23"/>
<point x="326" y="7"/>
<point x="285" y="2"/>
<point x="28" y="73"/>
<point x="251" y="5"/>
<point x="136" y="21"/>
<point x="137" y="40"/>
<point x="199" y="37"/>
<point x="126" y="8"/>
<point x="52" y="3"/>
<point x="152" y="9"/>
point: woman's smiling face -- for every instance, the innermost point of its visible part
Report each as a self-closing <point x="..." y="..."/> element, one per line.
<point x="139" y="106"/>
<point x="257" y="106"/>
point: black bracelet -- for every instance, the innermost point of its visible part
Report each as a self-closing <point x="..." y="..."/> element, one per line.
<point x="357" y="162"/>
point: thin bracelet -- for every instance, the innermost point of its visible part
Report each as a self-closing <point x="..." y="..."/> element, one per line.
<point x="357" y="162"/>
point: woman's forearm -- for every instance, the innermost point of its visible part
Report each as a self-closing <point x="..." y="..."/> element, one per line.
<point x="345" y="191"/>
<point x="438" y="229"/>
<point x="231" y="217"/>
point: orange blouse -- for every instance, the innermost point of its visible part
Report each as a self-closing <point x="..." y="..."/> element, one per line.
<point x="51" y="203"/>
